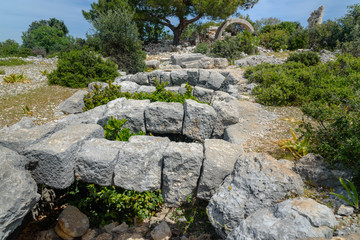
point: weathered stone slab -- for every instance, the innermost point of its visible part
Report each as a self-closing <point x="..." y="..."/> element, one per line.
<point x="220" y="157"/>
<point x="140" y="163"/>
<point x="258" y="181"/>
<point x="182" y="164"/>
<point x="179" y="59"/>
<point x="140" y="78"/>
<point x="215" y="81"/>
<point x="203" y="77"/>
<point x="155" y="76"/>
<point x="203" y="94"/>
<point x="92" y="116"/>
<point x="52" y="159"/>
<point x="128" y="86"/>
<point x="222" y="96"/>
<point x="73" y="104"/>
<point x="162" y="117"/>
<point x="299" y="218"/>
<point x="178" y="77"/>
<point x="199" y="120"/>
<point x="13" y="158"/>
<point x="152" y="64"/>
<point x="146" y="89"/>
<point x="227" y="114"/>
<point x="96" y="159"/>
<point x="193" y="77"/>
<point x="18" y="196"/>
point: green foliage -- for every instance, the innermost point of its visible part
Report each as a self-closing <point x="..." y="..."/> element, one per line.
<point x="327" y="35"/>
<point x="232" y="47"/>
<point x="16" y="78"/>
<point x="13" y="62"/>
<point x="296" y="146"/>
<point x="78" y="68"/>
<point x="259" y="24"/>
<point x="2" y="72"/>
<point x="10" y="48"/>
<point x="201" y="48"/>
<point x="100" y="97"/>
<point x="354" y="197"/>
<point x="104" y="205"/>
<point x="118" y="37"/>
<point x="308" y="58"/>
<point x="329" y="93"/>
<point x="352" y="48"/>
<point x="274" y="40"/>
<point x="115" y="130"/>
<point x="298" y="40"/>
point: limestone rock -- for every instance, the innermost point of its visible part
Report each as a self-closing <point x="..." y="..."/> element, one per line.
<point x="178" y="77"/>
<point x="257" y="59"/>
<point x="221" y="63"/>
<point x="13" y="158"/>
<point x="316" y="17"/>
<point x="155" y="76"/>
<point x="203" y="94"/>
<point x="90" y="234"/>
<point x="139" y="165"/>
<point x="71" y="223"/>
<point x="179" y="59"/>
<point x="92" y="116"/>
<point x="193" y="77"/>
<point x="258" y="181"/>
<point x="203" y="77"/>
<point x="227" y="114"/>
<point x="214" y="81"/>
<point x="73" y="104"/>
<point x="220" y="157"/>
<point x="128" y="86"/>
<point x="95" y="161"/>
<point x="163" y="117"/>
<point x="52" y="159"/>
<point x="292" y="219"/>
<point x="161" y="232"/>
<point x="182" y="164"/>
<point x="18" y="196"/>
<point x="152" y="64"/>
<point x="199" y="120"/>
<point x="345" y="210"/>
<point x="146" y="89"/>
<point x="140" y="78"/>
<point x="313" y="168"/>
<point x="222" y="96"/>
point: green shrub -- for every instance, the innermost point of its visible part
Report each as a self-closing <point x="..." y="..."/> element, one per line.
<point x="16" y="78"/>
<point x="308" y="58"/>
<point x="202" y="48"/>
<point x="115" y="130"/>
<point x="2" y="72"/>
<point x="298" y="40"/>
<point x="232" y="47"/>
<point x="352" y="48"/>
<point x="78" y="68"/>
<point x="100" y="97"/>
<point x="13" y="62"/>
<point x="104" y="205"/>
<point x="275" y="40"/>
<point x="327" y="35"/>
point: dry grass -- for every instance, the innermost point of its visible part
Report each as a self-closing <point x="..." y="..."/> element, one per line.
<point x="39" y="103"/>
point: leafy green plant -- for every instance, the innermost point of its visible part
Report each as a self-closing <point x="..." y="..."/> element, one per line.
<point x="115" y="130"/>
<point x="104" y="205"/>
<point x="16" y="78"/>
<point x="26" y="110"/>
<point x="99" y="97"/>
<point x="295" y="145"/>
<point x="78" y="68"/>
<point x="13" y="62"/>
<point x="354" y="197"/>
<point x="275" y="40"/>
<point x="44" y="73"/>
<point x="2" y="72"/>
<point x="308" y="58"/>
<point x="202" y="48"/>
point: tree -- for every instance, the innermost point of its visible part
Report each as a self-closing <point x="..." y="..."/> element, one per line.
<point x="187" y="11"/>
<point x="117" y="36"/>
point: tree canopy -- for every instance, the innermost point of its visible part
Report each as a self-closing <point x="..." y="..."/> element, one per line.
<point x="186" y="11"/>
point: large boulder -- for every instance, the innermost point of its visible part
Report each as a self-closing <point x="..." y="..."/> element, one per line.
<point x="258" y="181"/>
<point x="193" y="77"/>
<point x="92" y="116"/>
<point x="178" y="77"/>
<point x="162" y="117"/>
<point x="155" y="76"/>
<point x="297" y="218"/>
<point x="179" y="59"/>
<point x="73" y="104"/>
<point x="220" y="157"/>
<point x="199" y="120"/>
<point x="152" y="64"/>
<point x="215" y="81"/>
<point x="13" y="158"/>
<point x="182" y="164"/>
<point x="96" y="159"/>
<point x="314" y="169"/>
<point x="127" y="86"/>
<point x="18" y="195"/>
<point x="203" y="94"/>
<point x="139" y="78"/>
<point x="146" y="89"/>
<point x="227" y="114"/>
<point x="52" y="159"/>
<point x="71" y="223"/>
<point x="140" y="163"/>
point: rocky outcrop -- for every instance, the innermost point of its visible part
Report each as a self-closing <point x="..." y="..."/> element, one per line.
<point x="258" y="59"/>
<point x="297" y="218"/>
<point x="152" y="64"/>
<point x="257" y="181"/>
<point x="73" y="104"/>
<point x="316" y="17"/>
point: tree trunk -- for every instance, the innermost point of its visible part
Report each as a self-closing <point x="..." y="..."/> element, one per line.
<point x="177" y="33"/>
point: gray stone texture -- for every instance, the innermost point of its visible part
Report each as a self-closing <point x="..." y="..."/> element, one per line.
<point x="101" y="85"/>
<point x="193" y="77"/>
<point x="203" y="94"/>
<point x="73" y="104"/>
<point x="52" y="159"/>
<point x="222" y="96"/>
<point x="182" y="165"/>
<point x="314" y="169"/>
<point x="227" y="114"/>
<point x="71" y="223"/>
<point x="203" y="77"/>
<point x="258" y="181"/>
<point x="179" y="59"/>
<point x="163" y="117"/>
<point x="152" y="64"/>
<point x="146" y="89"/>
<point x="13" y="158"/>
<point x="155" y="76"/>
<point x="139" y="164"/>
<point x="178" y="77"/>
<point x="258" y="59"/>
<point x="199" y="120"/>
<point x="140" y="78"/>
<point x="215" y="81"/>
<point x="128" y="86"/>
<point x="297" y="218"/>
<point x="220" y="157"/>
<point x="93" y="116"/>
<point x="18" y="195"/>
<point x="221" y="63"/>
<point x="96" y="159"/>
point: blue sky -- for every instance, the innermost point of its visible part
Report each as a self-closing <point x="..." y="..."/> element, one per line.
<point x="17" y="15"/>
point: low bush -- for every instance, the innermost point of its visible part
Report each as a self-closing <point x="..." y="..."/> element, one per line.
<point x="308" y="58"/>
<point x="16" y="78"/>
<point x="2" y="72"/>
<point x="115" y="130"/>
<point x="275" y="40"/>
<point x="232" y="47"/>
<point x="100" y="97"/>
<point x="202" y="48"/>
<point x="13" y="62"/>
<point x="104" y="205"/>
<point x="329" y="93"/>
<point x="352" y="48"/>
<point x="78" y="68"/>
